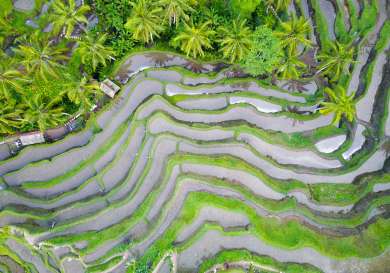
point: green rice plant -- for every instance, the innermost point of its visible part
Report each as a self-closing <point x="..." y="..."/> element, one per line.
<point x="237" y="255"/>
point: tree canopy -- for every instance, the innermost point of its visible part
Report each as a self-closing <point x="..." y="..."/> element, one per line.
<point x="144" y="21"/>
<point x="66" y="16"/>
<point x="265" y="53"/>
<point x="340" y="104"/>
<point x="92" y="51"/>
<point x="194" y="38"/>
<point x="235" y="40"/>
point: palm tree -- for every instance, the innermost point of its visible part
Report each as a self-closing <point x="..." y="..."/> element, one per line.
<point x="340" y="103"/>
<point x="6" y="29"/>
<point x="278" y="5"/>
<point x="293" y="33"/>
<point x="193" y="39"/>
<point x="82" y="93"/>
<point x="235" y="41"/>
<point x="40" y="58"/>
<point x="291" y="68"/>
<point x="92" y="50"/>
<point x="275" y="6"/>
<point x="212" y="15"/>
<point x="43" y="111"/>
<point x="336" y="60"/>
<point x="144" y="21"/>
<point x="10" y="116"/>
<point x="10" y="79"/>
<point x="176" y="10"/>
<point x="66" y="16"/>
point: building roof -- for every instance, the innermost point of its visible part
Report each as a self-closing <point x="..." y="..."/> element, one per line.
<point x="109" y="88"/>
<point x="32" y="138"/>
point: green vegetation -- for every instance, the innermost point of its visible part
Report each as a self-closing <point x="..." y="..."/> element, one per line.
<point x="144" y="21"/>
<point x="194" y="38"/>
<point x="40" y="71"/>
<point x="91" y="51"/>
<point x="244" y="255"/>
<point x="336" y="60"/>
<point x="341" y="104"/>
<point x="82" y="93"/>
<point x="265" y="54"/>
<point x="44" y="111"/>
<point x="244" y="8"/>
<point x="235" y="41"/>
<point x="176" y="10"/>
<point x="39" y="58"/>
<point x="10" y="79"/>
<point x="293" y="33"/>
<point x="66" y="16"/>
<point x="291" y="68"/>
<point x="222" y="110"/>
<point x="289" y="234"/>
<point x="368" y="17"/>
<point x="187" y="25"/>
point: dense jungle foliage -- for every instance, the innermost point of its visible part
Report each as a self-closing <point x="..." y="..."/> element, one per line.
<point x="53" y="56"/>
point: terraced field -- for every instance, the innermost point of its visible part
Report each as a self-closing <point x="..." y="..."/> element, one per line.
<point x="195" y="167"/>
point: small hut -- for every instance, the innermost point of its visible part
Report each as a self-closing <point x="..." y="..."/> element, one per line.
<point x="109" y="88"/>
<point x="32" y="138"/>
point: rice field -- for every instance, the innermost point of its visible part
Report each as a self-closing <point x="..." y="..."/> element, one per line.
<point x="193" y="168"/>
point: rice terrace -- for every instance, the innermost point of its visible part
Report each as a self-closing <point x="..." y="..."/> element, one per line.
<point x="178" y="136"/>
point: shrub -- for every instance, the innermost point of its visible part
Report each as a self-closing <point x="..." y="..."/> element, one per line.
<point x="5" y="7"/>
<point x="265" y="53"/>
<point x="244" y="8"/>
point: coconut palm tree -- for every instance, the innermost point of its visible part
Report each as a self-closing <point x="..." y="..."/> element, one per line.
<point x="235" y="40"/>
<point x="293" y="33"/>
<point x="340" y="104"/>
<point x="92" y="50"/>
<point x="10" y="79"/>
<point x="336" y="60"/>
<point x="6" y="29"/>
<point x="194" y="38"/>
<point x="83" y="92"/>
<point x="43" y="111"/>
<point x="291" y="68"/>
<point x="278" y="5"/>
<point x="40" y="58"/>
<point x="66" y="16"/>
<point x="10" y="116"/>
<point x="275" y="6"/>
<point x="216" y="19"/>
<point x="144" y="21"/>
<point x="176" y="10"/>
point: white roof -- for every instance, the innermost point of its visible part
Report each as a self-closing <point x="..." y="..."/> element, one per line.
<point x="109" y="87"/>
<point x="32" y="138"/>
<point x="107" y="90"/>
<point x="111" y="84"/>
